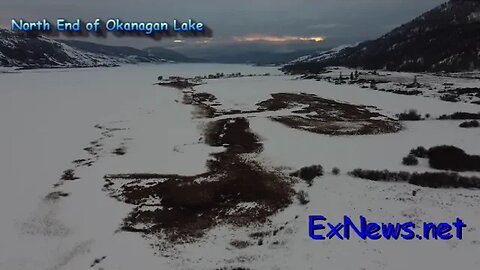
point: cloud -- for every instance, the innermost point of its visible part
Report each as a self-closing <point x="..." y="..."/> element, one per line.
<point x="342" y="21"/>
<point x="277" y="38"/>
<point x="326" y="26"/>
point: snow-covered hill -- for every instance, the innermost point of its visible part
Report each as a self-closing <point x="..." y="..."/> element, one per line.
<point x="21" y="50"/>
<point x="320" y="56"/>
<point x="33" y="51"/>
<point x="442" y="39"/>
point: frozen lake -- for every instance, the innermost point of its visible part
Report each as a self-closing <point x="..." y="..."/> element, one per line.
<point x="47" y="118"/>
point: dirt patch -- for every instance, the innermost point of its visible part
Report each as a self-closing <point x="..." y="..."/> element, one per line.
<point x="325" y="116"/>
<point x="235" y="190"/>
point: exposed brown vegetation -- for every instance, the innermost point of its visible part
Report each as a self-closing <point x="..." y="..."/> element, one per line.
<point x="427" y="179"/>
<point x="234" y="190"/>
<point x="178" y="84"/>
<point x="327" y="116"/>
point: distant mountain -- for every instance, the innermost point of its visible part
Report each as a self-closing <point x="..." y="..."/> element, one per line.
<point x="33" y="51"/>
<point x="256" y="57"/>
<point x="256" y="52"/>
<point x="155" y="54"/>
<point x="132" y="54"/>
<point x="172" y="55"/>
<point x="446" y="38"/>
<point x="319" y="56"/>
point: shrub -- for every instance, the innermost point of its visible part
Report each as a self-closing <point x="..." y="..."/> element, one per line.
<point x="384" y="175"/>
<point x="460" y="116"/>
<point x="470" y="124"/>
<point x="428" y="179"/>
<point x="419" y="152"/>
<point x="444" y="180"/>
<point x="335" y="171"/>
<point x="302" y="197"/>
<point x="447" y="157"/>
<point x="411" y="115"/>
<point x="410" y="160"/>
<point x="309" y="173"/>
<point x="450" y="98"/>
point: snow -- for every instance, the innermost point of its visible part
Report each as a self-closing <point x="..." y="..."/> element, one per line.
<point x="59" y="55"/>
<point x="48" y="116"/>
<point x="431" y="85"/>
<point x="242" y="93"/>
<point x="325" y="55"/>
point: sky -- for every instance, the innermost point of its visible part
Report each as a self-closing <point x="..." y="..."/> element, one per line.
<point x="326" y="22"/>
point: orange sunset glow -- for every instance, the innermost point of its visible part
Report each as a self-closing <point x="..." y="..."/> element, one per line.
<point x="279" y="38"/>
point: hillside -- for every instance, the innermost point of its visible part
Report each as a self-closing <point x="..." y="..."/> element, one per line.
<point x="442" y="39"/>
<point x="28" y="51"/>
<point x="154" y="54"/>
<point x="172" y="55"/>
<point x="32" y="51"/>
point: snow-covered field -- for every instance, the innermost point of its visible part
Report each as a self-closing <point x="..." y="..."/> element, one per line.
<point x="453" y="87"/>
<point x="47" y="118"/>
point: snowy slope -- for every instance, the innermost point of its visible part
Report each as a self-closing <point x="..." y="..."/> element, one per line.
<point x="18" y="49"/>
<point x="29" y="51"/>
<point x="442" y="39"/>
<point x="322" y="56"/>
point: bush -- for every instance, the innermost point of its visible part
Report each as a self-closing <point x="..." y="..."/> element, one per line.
<point x="335" y="171"/>
<point x="434" y="180"/>
<point x="450" y="98"/>
<point x="461" y="116"/>
<point x="411" y="115"/>
<point x="447" y="157"/>
<point x="384" y="175"/>
<point x="303" y="197"/>
<point x="470" y="124"/>
<point x="309" y="173"/>
<point x="419" y="152"/>
<point x="444" y="180"/>
<point x="410" y="160"/>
